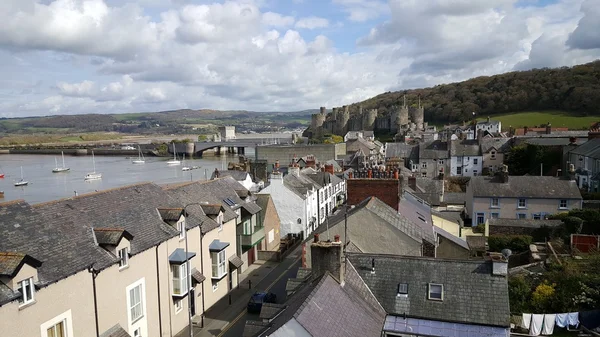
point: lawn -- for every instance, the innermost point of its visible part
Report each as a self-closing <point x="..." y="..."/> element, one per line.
<point x="535" y="118"/>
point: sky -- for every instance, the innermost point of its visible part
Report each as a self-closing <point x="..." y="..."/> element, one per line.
<point x="121" y="56"/>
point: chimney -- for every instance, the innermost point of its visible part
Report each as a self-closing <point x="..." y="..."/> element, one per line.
<point x="593" y="133"/>
<point x="329" y="168"/>
<point x="350" y="175"/>
<point x="499" y="264"/>
<point x="548" y="128"/>
<point x="412" y="183"/>
<point x="571" y="172"/>
<point x="370" y="174"/>
<point x="294" y="170"/>
<point x="504" y="174"/>
<point x="573" y="140"/>
<point x="396" y="174"/>
<point x="316" y="238"/>
<point x="326" y="256"/>
<point x="336" y="238"/>
<point x="216" y="173"/>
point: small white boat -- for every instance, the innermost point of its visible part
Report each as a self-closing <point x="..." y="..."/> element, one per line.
<point x="174" y="161"/>
<point x="22" y="182"/>
<point x="93" y="175"/>
<point x="184" y="168"/>
<point x="140" y="159"/>
<point x="60" y="169"/>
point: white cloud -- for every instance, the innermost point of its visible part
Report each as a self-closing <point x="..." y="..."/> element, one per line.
<point x="277" y="20"/>
<point x="312" y="22"/>
<point x="587" y="33"/>
<point x="82" y="89"/>
<point x="363" y="10"/>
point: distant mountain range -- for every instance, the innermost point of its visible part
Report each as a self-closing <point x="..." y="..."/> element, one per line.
<point x="574" y="89"/>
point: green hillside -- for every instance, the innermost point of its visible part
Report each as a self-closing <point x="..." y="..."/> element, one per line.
<point x="535" y="118"/>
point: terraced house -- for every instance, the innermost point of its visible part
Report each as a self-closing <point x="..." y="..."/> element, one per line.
<point x="115" y="262"/>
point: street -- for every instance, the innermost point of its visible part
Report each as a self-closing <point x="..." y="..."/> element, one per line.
<point x="275" y="282"/>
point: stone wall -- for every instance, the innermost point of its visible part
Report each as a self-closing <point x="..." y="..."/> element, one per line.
<point x="285" y="153"/>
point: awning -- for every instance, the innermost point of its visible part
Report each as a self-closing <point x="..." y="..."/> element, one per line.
<point x="179" y="256"/>
<point x="235" y="261"/>
<point x="197" y="276"/>
<point x="217" y="246"/>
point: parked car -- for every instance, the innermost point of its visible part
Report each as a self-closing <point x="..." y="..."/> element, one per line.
<point x="257" y="300"/>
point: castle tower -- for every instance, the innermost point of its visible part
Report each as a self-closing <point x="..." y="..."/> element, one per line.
<point x="403" y="115"/>
<point x="343" y="120"/>
<point x="318" y="119"/>
<point x="369" y="120"/>
<point x="419" y="116"/>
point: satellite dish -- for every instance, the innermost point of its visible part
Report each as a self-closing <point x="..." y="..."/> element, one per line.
<point x="299" y="221"/>
<point x="506" y="253"/>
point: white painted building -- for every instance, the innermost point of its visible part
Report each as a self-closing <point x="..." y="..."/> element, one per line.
<point x="466" y="159"/>
<point x="331" y="191"/>
<point x="489" y="125"/>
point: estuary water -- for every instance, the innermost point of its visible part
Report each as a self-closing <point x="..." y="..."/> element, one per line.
<point x="116" y="172"/>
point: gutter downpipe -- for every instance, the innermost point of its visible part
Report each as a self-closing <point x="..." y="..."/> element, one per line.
<point x="158" y="288"/>
<point x="202" y="271"/>
<point x="94" y="273"/>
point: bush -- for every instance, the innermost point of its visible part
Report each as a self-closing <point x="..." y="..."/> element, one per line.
<point x="516" y="243"/>
<point x="519" y="291"/>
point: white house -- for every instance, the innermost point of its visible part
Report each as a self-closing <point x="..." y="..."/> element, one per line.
<point x="466" y="159"/>
<point x="489" y="126"/>
<point x="331" y="191"/>
<point x="241" y="177"/>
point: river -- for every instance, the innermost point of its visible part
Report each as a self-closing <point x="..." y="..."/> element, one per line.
<point x="116" y="171"/>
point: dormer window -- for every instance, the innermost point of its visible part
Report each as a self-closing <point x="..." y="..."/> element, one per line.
<point x="436" y="292"/>
<point x="123" y="257"/>
<point x="27" y="290"/>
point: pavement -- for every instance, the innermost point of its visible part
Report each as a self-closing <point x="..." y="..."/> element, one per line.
<point x="227" y="318"/>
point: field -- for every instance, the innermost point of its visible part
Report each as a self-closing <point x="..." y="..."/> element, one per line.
<point x="535" y="118"/>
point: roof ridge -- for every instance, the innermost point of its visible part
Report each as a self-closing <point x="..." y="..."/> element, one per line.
<point x="411" y="257"/>
<point x="12" y="254"/>
<point x="13" y="202"/>
<point x="89" y="194"/>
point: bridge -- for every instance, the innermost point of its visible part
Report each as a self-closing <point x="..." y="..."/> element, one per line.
<point x="232" y="146"/>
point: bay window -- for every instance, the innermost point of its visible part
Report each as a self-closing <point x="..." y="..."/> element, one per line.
<point x="180" y="279"/>
<point x="219" y="265"/>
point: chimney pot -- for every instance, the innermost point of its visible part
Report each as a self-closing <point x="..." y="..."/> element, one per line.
<point x="336" y="238"/>
<point x="316" y="238"/>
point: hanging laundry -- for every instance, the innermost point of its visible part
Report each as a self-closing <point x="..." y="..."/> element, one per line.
<point x="562" y="320"/>
<point x="537" y="322"/>
<point x="548" y="326"/>
<point x="526" y="321"/>
<point x="590" y="319"/>
<point x="573" y="319"/>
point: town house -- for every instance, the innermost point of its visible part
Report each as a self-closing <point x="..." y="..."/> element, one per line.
<point x="465" y="158"/>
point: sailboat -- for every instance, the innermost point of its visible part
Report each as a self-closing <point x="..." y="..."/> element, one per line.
<point x="21" y="182"/>
<point x="93" y="175"/>
<point x="140" y="159"/>
<point x="60" y="169"/>
<point x="184" y="168"/>
<point x="174" y="161"/>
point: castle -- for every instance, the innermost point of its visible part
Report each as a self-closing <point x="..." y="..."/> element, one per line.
<point x="397" y="119"/>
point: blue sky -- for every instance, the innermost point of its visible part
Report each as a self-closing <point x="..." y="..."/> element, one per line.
<point x="116" y="56"/>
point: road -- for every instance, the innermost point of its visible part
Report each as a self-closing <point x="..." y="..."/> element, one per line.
<point x="275" y="282"/>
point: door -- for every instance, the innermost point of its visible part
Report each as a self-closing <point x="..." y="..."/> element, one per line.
<point x="251" y="255"/>
<point x="193" y="301"/>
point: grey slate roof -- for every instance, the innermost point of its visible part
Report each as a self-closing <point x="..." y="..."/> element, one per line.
<point x="416" y="211"/>
<point x="591" y="149"/>
<point x="236" y="261"/>
<point x="464" y="148"/>
<point x="458" y="241"/>
<point x="499" y="144"/>
<point x="197" y="276"/>
<point x="453" y="216"/>
<point x="542" y="187"/>
<point x="527" y="223"/>
<point x="111" y="236"/>
<point x="11" y="263"/>
<point x="299" y="184"/>
<point x="212" y="209"/>
<point x="472" y="295"/>
<point x="477" y="242"/>
<point x="434" y="150"/>
<point x="170" y="214"/>
<point x="115" y="331"/>
<point x="270" y="310"/>
<point x="217" y="245"/>
<point x="254" y="328"/>
<point x="401" y="150"/>
<point x="455" y="198"/>
<point x="428" y="189"/>
<point x="237" y="175"/>
<point x="179" y="256"/>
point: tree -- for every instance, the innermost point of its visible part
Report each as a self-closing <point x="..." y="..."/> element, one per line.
<point x="542" y="296"/>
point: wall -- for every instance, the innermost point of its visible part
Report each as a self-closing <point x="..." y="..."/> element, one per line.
<point x="448" y="249"/>
<point x="271" y="223"/>
<point x="387" y="190"/>
<point x="433" y="167"/>
<point x="447" y="225"/>
<point x="72" y="294"/>
<point x="290" y="207"/>
<point x="285" y="153"/>
<point x="508" y="207"/>
<point x="495" y="163"/>
<point x="468" y="165"/>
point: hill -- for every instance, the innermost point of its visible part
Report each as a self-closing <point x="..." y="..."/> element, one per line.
<point x="573" y="89"/>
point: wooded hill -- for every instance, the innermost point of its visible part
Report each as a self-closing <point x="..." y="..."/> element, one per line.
<point x="573" y="89"/>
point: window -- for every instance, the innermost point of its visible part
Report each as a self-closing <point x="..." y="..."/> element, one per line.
<point x="57" y="330"/>
<point x="424" y="165"/>
<point x="441" y="162"/>
<point x="402" y="289"/>
<point x="480" y="218"/>
<point x="521" y="216"/>
<point x="522" y="203"/>
<point x="180" y="279"/>
<point x="536" y="216"/>
<point x="137" y="332"/>
<point x="181" y="229"/>
<point x="436" y="292"/>
<point x="424" y="174"/>
<point x="494" y="215"/>
<point x="124" y="257"/>
<point x="495" y="203"/>
<point x="27" y="290"/>
<point x="562" y="204"/>
<point x="135" y="303"/>
<point x="475" y="161"/>
<point x="218" y="264"/>
<point x="475" y="172"/>
<point x="220" y="221"/>
<point x="493" y="155"/>
<point x="178" y="306"/>
<point x="459" y="170"/>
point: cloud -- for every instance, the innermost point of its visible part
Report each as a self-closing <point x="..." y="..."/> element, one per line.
<point x="83" y="89"/>
<point x="362" y="10"/>
<point x="587" y="33"/>
<point x="312" y="22"/>
<point x="277" y="20"/>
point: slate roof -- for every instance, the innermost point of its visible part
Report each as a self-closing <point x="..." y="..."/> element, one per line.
<point x="527" y="223"/>
<point x="254" y="328"/>
<point x="111" y="236"/>
<point x="115" y="331"/>
<point x="360" y="144"/>
<point x="591" y="149"/>
<point x="434" y="150"/>
<point x="472" y="295"/>
<point x="399" y="221"/>
<point x="464" y="148"/>
<point x="401" y="150"/>
<point x="212" y="209"/>
<point x="11" y="263"/>
<point x="449" y="236"/>
<point x="453" y="216"/>
<point x="499" y="144"/>
<point x="542" y="187"/>
<point x="170" y="214"/>
<point x="455" y="198"/>
<point x="299" y="184"/>
<point x="427" y="189"/>
<point x="416" y="211"/>
<point x="235" y="174"/>
<point x="477" y="242"/>
<point x="236" y="261"/>
<point x="198" y="276"/>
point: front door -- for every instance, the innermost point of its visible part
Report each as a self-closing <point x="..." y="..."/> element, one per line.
<point x="193" y="301"/>
<point x="251" y="256"/>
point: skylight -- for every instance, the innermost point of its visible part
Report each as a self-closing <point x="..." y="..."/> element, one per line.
<point x="229" y="202"/>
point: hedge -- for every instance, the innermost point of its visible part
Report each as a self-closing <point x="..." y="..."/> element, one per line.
<point x="516" y="243"/>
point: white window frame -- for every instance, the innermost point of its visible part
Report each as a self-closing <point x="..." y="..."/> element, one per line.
<point x="123" y="257"/>
<point x="524" y="203"/>
<point x="65" y="317"/>
<point x="54" y="334"/>
<point x="27" y="297"/>
<point x="480" y="215"/>
<point x="424" y="165"/>
<point x="218" y="261"/>
<point x="495" y="205"/>
<point x="180" y="278"/>
<point x="181" y="229"/>
<point x="560" y="204"/>
<point x="493" y="155"/>
<point x="494" y="215"/>
<point x="521" y="216"/>
<point x="178" y="306"/>
<point x="429" y="289"/>
<point x="131" y="305"/>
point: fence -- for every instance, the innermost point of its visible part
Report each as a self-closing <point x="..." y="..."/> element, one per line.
<point x="585" y="243"/>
